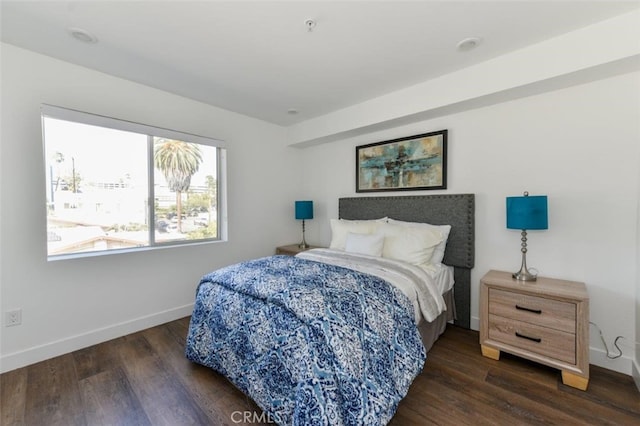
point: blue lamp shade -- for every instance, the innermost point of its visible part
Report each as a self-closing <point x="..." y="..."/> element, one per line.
<point x="304" y="210"/>
<point x="528" y="212"/>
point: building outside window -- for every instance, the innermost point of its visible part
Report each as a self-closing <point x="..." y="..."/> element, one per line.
<point x="115" y="185"/>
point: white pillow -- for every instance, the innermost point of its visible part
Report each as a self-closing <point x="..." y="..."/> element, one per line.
<point x="370" y="244"/>
<point x="438" y="253"/>
<point x="341" y="227"/>
<point x="414" y="245"/>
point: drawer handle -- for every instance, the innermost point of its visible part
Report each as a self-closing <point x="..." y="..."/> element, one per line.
<point x="535" y="339"/>
<point x="535" y="311"/>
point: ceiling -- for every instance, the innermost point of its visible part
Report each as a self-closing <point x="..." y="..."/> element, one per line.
<point x="260" y="59"/>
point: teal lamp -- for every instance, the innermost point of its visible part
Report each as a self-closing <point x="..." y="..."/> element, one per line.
<point x="304" y="211"/>
<point x="526" y="213"/>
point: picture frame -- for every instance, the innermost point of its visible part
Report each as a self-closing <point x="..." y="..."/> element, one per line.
<point x="412" y="163"/>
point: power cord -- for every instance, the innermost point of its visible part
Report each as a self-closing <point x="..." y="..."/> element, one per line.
<point x="615" y="342"/>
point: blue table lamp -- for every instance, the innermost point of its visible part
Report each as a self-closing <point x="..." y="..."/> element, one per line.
<point x="304" y="210"/>
<point x="526" y="213"/>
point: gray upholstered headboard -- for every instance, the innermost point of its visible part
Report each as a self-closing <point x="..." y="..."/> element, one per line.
<point x="457" y="210"/>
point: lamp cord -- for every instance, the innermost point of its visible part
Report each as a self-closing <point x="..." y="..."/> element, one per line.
<point x="615" y="342"/>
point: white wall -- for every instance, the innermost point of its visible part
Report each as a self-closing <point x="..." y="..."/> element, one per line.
<point x="72" y="303"/>
<point x="577" y="145"/>
<point x="636" y="364"/>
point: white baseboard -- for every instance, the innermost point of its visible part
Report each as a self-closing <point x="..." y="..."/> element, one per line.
<point x="39" y="353"/>
<point x="474" y="323"/>
<point x="621" y="365"/>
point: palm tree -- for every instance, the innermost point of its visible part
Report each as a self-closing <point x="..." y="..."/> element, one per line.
<point x="178" y="161"/>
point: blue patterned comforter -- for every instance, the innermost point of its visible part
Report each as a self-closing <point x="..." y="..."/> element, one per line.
<point x="310" y="343"/>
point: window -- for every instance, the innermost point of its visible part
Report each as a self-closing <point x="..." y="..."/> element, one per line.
<point x="101" y="174"/>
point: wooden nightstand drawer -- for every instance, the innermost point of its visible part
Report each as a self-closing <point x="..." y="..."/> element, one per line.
<point x="537" y="310"/>
<point x="540" y="340"/>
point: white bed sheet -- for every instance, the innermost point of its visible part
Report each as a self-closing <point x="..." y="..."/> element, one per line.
<point x="443" y="276"/>
<point x="423" y="286"/>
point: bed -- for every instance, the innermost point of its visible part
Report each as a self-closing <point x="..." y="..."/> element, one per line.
<point x="457" y="210"/>
<point x="313" y="342"/>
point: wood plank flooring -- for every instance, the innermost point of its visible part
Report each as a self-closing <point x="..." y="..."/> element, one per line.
<point x="144" y="379"/>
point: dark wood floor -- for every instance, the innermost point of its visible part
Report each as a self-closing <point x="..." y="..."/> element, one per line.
<point x="144" y="379"/>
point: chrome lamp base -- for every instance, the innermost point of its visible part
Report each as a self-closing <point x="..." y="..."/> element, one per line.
<point x="303" y="244"/>
<point x="523" y="274"/>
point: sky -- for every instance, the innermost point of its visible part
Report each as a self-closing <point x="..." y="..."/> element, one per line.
<point x="106" y="155"/>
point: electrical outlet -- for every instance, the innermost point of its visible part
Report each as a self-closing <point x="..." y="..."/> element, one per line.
<point x="13" y="317"/>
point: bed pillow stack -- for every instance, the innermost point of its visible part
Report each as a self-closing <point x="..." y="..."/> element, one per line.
<point x="341" y="228"/>
<point x="438" y="253"/>
<point x="371" y="244"/>
<point x="416" y="243"/>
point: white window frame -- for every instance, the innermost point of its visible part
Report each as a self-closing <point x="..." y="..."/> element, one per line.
<point x="56" y="112"/>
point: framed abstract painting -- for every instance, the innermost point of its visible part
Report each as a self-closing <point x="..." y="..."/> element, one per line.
<point x="406" y="164"/>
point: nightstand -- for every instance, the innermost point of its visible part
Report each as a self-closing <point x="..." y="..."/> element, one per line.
<point x="292" y="249"/>
<point x="546" y="321"/>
